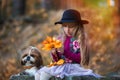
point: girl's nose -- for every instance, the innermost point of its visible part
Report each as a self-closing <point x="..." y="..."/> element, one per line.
<point x="67" y="28"/>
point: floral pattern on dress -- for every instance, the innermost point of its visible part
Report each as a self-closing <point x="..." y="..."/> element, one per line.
<point x="74" y="45"/>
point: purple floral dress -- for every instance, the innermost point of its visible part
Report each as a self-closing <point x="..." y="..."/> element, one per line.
<point x="71" y="51"/>
<point x="72" y="58"/>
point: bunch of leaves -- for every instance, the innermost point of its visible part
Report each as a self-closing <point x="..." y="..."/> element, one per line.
<point x="59" y="62"/>
<point x="50" y="43"/>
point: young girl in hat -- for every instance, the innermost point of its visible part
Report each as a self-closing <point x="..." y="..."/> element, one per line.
<point x="74" y="52"/>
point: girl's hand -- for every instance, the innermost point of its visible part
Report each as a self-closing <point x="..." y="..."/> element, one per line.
<point x="60" y="50"/>
<point x="53" y="50"/>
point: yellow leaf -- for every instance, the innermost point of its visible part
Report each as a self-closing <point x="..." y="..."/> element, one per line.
<point x="52" y="64"/>
<point x="60" y="62"/>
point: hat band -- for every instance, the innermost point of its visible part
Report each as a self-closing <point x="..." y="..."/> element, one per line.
<point x="70" y="19"/>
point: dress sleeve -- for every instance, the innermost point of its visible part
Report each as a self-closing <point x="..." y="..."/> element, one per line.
<point x="75" y="57"/>
<point x="56" y="56"/>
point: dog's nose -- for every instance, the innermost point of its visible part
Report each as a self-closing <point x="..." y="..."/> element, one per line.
<point x="28" y="58"/>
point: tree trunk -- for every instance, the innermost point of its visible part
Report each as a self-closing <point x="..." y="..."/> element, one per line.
<point x="3" y="8"/>
<point x="18" y="8"/>
<point x="50" y="4"/>
<point x="0" y="10"/>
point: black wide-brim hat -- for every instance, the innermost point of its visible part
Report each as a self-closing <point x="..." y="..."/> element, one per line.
<point x="71" y="15"/>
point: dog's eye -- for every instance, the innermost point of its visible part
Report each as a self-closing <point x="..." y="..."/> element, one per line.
<point x="32" y="55"/>
<point x="24" y="55"/>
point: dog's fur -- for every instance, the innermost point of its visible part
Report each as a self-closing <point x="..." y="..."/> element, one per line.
<point x="31" y="60"/>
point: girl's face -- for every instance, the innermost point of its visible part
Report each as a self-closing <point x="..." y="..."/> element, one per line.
<point x="68" y="28"/>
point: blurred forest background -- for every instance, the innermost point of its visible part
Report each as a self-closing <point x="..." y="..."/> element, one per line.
<point x="28" y="22"/>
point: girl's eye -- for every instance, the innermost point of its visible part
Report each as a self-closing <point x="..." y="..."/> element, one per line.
<point x="69" y="26"/>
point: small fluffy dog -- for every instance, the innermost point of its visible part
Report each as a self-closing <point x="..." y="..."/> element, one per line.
<point x="31" y="60"/>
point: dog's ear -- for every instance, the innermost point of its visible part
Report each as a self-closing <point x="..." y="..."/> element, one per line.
<point x="22" y="63"/>
<point x="39" y="61"/>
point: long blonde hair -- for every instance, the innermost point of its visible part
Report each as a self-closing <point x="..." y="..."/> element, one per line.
<point x="78" y="34"/>
<point x="83" y="45"/>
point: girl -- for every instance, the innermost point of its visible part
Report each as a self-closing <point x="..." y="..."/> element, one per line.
<point x="74" y="52"/>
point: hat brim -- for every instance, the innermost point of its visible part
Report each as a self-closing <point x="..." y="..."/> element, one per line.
<point x="64" y="21"/>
